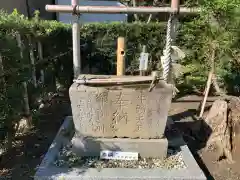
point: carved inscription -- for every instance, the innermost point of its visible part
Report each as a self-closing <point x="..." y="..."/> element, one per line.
<point x="120" y="106"/>
<point x="142" y="98"/>
<point x="150" y="120"/>
<point x="121" y="101"/>
<point x="126" y="112"/>
<point x="99" y="113"/>
<point x="118" y="117"/>
<point x="98" y="128"/>
<point x="89" y="113"/>
<point x="158" y="105"/>
<point x="80" y="106"/>
<point x="100" y="100"/>
<point x="80" y="112"/>
<point x="102" y="97"/>
<point x="140" y="111"/>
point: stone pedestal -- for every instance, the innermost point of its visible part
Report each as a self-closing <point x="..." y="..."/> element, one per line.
<point x="47" y="169"/>
<point x="154" y="148"/>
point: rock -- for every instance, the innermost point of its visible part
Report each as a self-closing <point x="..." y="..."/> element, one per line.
<point x="219" y="129"/>
<point x="234" y="119"/>
<point x="223" y="121"/>
<point x="41" y="106"/>
<point x="22" y="127"/>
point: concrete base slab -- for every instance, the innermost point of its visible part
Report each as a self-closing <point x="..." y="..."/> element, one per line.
<point x="49" y="171"/>
<point x="86" y="146"/>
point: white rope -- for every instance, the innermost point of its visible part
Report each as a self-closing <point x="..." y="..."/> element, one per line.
<point x="167" y="61"/>
<point x="167" y="54"/>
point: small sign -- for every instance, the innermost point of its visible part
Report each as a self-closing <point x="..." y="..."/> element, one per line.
<point x="143" y="61"/>
<point x="118" y="155"/>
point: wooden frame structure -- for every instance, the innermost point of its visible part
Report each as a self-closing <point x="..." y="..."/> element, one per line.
<point x="75" y="9"/>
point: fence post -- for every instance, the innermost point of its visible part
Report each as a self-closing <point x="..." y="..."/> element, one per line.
<point x="76" y="41"/>
<point x="40" y="56"/>
<point x="27" y="110"/>
<point x="121" y="56"/>
<point x="33" y="61"/>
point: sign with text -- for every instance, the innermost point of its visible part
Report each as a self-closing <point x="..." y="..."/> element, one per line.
<point x="118" y="155"/>
<point x="143" y="61"/>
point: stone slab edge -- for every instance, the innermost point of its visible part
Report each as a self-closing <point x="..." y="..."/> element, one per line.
<point x="46" y="171"/>
<point x="86" y="146"/>
<point x="59" y="141"/>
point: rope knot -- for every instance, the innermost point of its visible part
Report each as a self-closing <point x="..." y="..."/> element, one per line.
<point x="75" y="10"/>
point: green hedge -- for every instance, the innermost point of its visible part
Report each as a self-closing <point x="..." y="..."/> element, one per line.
<point x="98" y="44"/>
<point x="98" y="41"/>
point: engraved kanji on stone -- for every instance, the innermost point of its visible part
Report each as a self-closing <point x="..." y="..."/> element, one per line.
<point x="142" y="98"/>
<point x="99" y="113"/>
<point x="98" y="128"/>
<point x="80" y="103"/>
<point x="150" y="119"/>
<point x="121" y="102"/>
<point x="140" y="108"/>
<point x="119" y="116"/>
<point x="140" y="111"/>
<point x="89" y="114"/>
<point x="102" y="97"/>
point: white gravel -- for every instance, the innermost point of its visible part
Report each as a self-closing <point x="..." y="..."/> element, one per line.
<point x="67" y="158"/>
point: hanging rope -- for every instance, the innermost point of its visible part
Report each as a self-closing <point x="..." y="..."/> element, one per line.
<point x="166" y="61"/>
<point x="166" y="58"/>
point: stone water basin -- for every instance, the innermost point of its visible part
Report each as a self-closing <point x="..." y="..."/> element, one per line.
<point x="120" y="111"/>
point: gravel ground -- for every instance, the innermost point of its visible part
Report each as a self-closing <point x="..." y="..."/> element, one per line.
<point x="67" y="158"/>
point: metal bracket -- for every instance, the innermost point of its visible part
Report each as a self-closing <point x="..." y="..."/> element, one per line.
<point x="155" y="75"/>
<point x="83" y="80"/>
<point x="80" y="81"/>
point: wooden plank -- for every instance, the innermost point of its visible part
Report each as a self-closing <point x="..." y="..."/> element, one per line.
<point x="111" y="80"/>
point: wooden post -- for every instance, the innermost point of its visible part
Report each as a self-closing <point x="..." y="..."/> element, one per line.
<point x="27" y="110"/>
<point x="209" y="82"/>
<point x="40" y="56"/>
<point x="121" y="56"/>
<point x="33" y="61"/>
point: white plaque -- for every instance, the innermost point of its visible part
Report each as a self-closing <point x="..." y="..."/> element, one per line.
<point x="143" y="61"/>
<point x="118" y="155"/>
